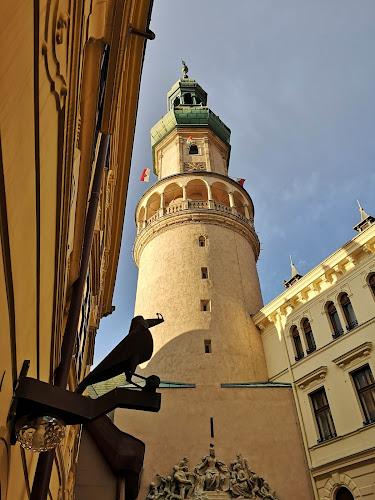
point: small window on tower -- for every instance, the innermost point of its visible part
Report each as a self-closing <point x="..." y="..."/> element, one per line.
<point x="207" y="346"/>
<point x="204" y="273"/>
<point x="176" y="102"/>
<point x="188" y="99"/>
<point x="193" y="149"/>
<point x="202" y="241"/>
<point x="205" y="305"/>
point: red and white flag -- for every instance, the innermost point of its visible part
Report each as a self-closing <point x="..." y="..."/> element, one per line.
<point x="145" y="177"/>
<point x="240" y="181"/>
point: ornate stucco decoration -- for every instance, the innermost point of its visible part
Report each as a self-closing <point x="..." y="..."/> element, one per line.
<point x="312" y="378"/>
<point x="211" y="479"/>
<point x="195" y="165"/>
<point x="55" y="48"/>
<point x="354" y="356"/>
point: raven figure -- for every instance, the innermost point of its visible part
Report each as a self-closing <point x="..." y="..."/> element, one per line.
<point x="135" y="348"/>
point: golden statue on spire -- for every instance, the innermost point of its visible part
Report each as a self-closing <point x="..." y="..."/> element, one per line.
<point x="185" y="69"/>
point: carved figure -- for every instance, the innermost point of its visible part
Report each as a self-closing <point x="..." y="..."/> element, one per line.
<point x="216" y="472"/>
<point x="210" y="474"/>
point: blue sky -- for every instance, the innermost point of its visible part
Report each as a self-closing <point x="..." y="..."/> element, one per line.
<point x="295" y="83"/>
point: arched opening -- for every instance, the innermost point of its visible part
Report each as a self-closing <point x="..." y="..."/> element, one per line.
<point x="198" y="100"/>
<point x="188" y="99"/>
<point x="308" y="335"/>
<point x="193" y="149"/>
<point x="196" y="190"/>
<point x="172" y="195"/>
<point x="220" y="193"/>
<point x="141" y="216"/>
<point x="347" y="309"/>
<point x="371" y="283"/>
<point x="202" y="241"/>
<point x="239" y="203"/>
<point x="297" y="343"/>
<point x="334" y="320"/>
<point x="153" y="205"/>
<point x="176" y="102"/>
<point x="343" y="494"/>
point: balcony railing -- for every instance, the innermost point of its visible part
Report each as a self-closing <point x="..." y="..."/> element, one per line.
<point x="198" y="205"/>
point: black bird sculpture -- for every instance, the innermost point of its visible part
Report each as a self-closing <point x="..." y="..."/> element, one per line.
<point x="135" y="348"/>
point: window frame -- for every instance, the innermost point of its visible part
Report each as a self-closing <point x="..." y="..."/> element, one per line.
<point x="336" y="331"/>
<point x="301" y="354"/>
<point x="362" y="390"/>
<point x="204" y="273"/>
<point x="309" y="336"/>
<point x="326" y="410"/>
<point x="207" y="346"/>
<point x="371" y="285"/>
<point x="348" y="312"/>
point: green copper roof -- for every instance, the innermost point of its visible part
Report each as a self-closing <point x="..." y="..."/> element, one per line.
<point x="188" y="116"/>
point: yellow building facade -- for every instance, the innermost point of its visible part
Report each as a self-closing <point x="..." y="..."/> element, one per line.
<point x="318" y="335"/>
<point x="69" y="84"/>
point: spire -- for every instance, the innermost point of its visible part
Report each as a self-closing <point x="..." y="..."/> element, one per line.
<point x="295" y="275"/>
<point x="363" y="213"/>
<point x="294" y="270"/>
<point x="366" y="220"/>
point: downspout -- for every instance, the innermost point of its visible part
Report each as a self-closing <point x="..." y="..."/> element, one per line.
<point x="45" y="461"/>
<point x="299" y="413"/>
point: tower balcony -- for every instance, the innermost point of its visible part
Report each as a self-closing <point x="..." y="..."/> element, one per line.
<point x="198" y="205"/>
<point x="204" y="197"/>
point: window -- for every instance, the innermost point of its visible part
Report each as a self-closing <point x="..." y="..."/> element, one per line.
<point x="347" y="308"/>
<point x="323" y="415"/>
<point x="204" y="273"/>
<point x="371" y="283"/>
<point x="308" y="336"/>
<point x="202" y="241"/>
<point x="334" y="319"/>
<point x="365" y="385"/>
<point x="207" y="346"/>
<point x="343" y="494"/>
<point x="176" y="102"/>
<point x="205" y="305"/>
<point x="188" y="99"/>
<point x="193" y="149"/>
<point x="297" y="343"/>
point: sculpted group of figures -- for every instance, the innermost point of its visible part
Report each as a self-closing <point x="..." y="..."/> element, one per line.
<point x="211" y="475"/>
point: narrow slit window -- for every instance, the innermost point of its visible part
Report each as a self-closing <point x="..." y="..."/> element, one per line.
<point x="205" y="305"/>
<point x="202" y="241"/>
<point x="204" y="273"/>
<point x="207" y="346"/>
<point x="212" y="426"/>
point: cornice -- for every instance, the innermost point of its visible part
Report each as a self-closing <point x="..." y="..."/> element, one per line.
<point x="313" y="378"/>
<point x="354" y="355"/>
<point x="194" y="217"/>
<point x="337" y="265"/>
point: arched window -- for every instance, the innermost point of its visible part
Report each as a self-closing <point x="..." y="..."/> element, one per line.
<point x="193" y="149"/>
<point x="176" y="102"/>
<point x="371" y="283"/>
<point x="297" y="343"/>
<point x="343" y="494"/>
<point x="347" y="309"/>
<point x="188" y="99"/>
<point x="334" y="319"/>
<point x="202" y="241"/>
<point x="308" y="336"/>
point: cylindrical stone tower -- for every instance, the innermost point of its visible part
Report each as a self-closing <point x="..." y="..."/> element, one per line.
<point x="196" y="250"/>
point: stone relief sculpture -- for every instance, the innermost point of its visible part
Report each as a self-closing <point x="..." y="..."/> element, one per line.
<point x="210" y="478"/>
